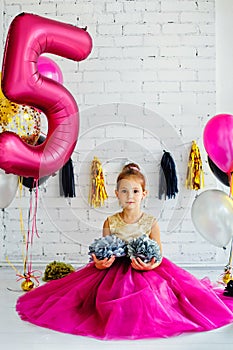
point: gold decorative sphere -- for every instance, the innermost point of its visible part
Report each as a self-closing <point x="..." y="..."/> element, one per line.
<point x="27" y="285"/>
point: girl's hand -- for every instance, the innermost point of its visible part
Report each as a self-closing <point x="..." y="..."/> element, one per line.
<point x="138" y="264"/>
<point x="103" y="264"/>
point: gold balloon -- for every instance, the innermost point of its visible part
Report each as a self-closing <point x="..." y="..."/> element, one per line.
<point x="27" y="285"/>
<point x="8" y="110"/>
<point x="21" y="119"/>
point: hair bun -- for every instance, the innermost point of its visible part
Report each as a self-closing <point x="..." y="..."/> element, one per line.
<point x="131" y="169"/>
<point x="130" y="166"/>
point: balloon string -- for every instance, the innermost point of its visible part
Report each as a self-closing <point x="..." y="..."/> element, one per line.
<point x="28" y="238"/>
<point x="32" y="229"/>
<point x="22" y="229"/>
<point x="230" y="256"/>
<point x="30" y="275"/>
<point x="26" y="275"/>
<point x="29" y="231"/>
<point x="13" y="267"/>
<point x="227" y="275"/>
<point x="34" y="226"/>
<point x="20" y="182"/>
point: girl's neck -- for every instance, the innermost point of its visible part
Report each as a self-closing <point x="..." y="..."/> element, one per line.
<point x="130" y="217"/>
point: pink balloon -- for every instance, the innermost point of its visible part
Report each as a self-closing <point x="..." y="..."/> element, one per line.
<point x="28" y="37"/>
<point x="49" y="69"/>
<point x="218" y="141"/>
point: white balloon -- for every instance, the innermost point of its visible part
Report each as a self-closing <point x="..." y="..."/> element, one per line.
<point x="212" y="216"/>
<point x="8" y="188"/>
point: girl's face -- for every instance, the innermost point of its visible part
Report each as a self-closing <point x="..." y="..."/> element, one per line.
<point x="130" y="193"/>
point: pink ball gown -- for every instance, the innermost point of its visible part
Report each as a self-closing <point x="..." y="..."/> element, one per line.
<point x="122" y="303"/>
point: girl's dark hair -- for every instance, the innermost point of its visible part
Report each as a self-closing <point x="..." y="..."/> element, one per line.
<point x="129" y="170"/>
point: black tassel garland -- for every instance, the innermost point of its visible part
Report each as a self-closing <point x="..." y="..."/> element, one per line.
<point x="67" y="185"/>
<point x="167" y="177"/>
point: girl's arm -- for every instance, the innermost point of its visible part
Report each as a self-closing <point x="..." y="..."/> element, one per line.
<point x="106" y="228"/>
<point x="138" y="264"/>
<point x="105" y="263"/>
<point x="155" y="234"/>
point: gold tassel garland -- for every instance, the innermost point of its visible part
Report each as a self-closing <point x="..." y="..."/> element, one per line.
<point x="98" y="193"/>
<point x="195" y="175"/>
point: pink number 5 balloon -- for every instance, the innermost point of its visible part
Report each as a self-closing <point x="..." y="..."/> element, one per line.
<point x="29" y="36"/>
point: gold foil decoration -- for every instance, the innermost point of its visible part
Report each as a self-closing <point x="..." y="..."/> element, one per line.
<point x="97" y="194"/>
<point x="195" y="175"/>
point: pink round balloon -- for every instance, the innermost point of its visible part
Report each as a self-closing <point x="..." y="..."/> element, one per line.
<point x="29" y="36"/>
<point x="218" y="141"/>
<point x="50" y="69"/>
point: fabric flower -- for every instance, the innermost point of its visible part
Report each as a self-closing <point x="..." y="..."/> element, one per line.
<point x="105" y="247"/>
<point x="144" y="248"/>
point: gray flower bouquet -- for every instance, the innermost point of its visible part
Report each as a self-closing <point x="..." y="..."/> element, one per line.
<point x="142" y="247"/>
<point x="105" y="247"/>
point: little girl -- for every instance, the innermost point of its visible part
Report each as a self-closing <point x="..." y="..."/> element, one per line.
<point x="123" y="298"/>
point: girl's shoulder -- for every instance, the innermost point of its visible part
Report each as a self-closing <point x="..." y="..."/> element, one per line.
<point x="114" y="217"/>
<point x="148" y="216"/>
<point x="148" y="219"/>
<point x="115" y="223"/>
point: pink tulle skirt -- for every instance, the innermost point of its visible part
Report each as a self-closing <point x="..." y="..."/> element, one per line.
<point x="122" y="303"/>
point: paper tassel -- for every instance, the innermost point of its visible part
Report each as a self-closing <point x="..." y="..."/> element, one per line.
<point x="66" y="177"/>
<point x="167" y="177"/>
<point x="195" y="175"/>
<point x="98" y="193"/>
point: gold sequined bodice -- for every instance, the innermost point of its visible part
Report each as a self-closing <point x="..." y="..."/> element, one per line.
<point x="128" y="231"/>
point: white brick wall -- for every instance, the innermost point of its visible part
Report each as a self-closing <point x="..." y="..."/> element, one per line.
<point x="148" y="85"/>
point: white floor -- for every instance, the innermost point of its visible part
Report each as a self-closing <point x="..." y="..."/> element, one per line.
<point x="20" y="335"/>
